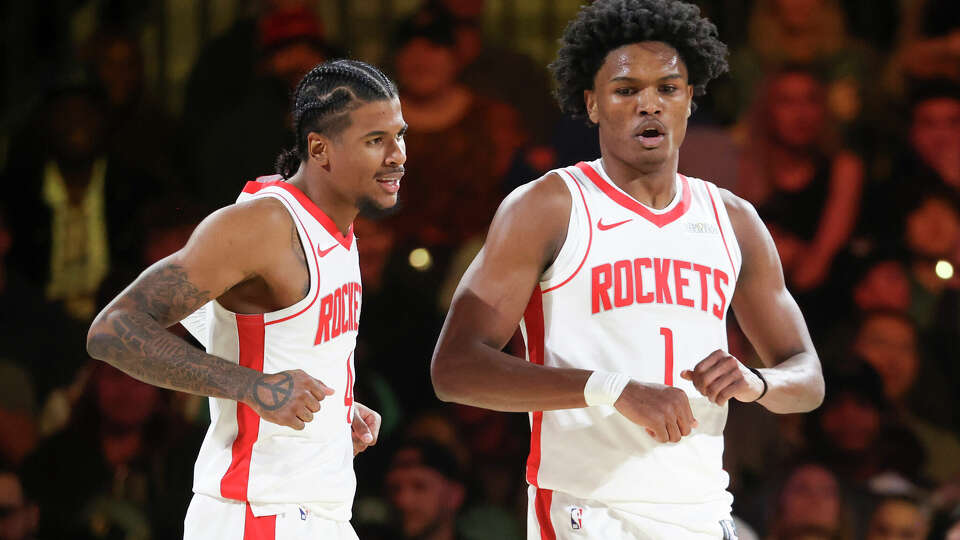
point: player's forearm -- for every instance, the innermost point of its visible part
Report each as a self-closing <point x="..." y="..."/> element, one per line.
<point x="794" y="385"/>
<point x="481" y="376"/>
<point x="137" y="344"/>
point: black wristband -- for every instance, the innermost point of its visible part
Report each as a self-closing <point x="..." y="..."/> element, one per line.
<point x="757" y="373"/>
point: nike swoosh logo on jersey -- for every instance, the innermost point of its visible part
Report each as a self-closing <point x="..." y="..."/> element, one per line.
<point x="603" y="227"/>
<point x="323" y="252"/>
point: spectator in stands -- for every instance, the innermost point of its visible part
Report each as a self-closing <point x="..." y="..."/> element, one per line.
<point x="856" y="434"/>
<point x="139" y="132"/>
<point x="809" y="33"/>
<point x="287" y="43"/>
<point x="18" y="517"/>
<point x="925" y="158"/>
<point x="805" y="185"/>
<point x="425" y="487"/>
<point x="74" y="211"/>
<point x="491" y="70"/>
<point x="810" y="499"/>
<point x="929" y="44"/>
<point x="462" y="142"/>
<point x="125" y="460"/>
<point x="898" y="517"/>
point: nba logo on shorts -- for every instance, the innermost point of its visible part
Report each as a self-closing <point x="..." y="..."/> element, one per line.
<point x="576" y="518"/>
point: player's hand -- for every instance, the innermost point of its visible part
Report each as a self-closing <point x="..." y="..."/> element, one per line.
<point x="663" y="410"/>
<point x="720" y="377"/>
<point x="365" y="427"/>
<point x="288" y="398"/>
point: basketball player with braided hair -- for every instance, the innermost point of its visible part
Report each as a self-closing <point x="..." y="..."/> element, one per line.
<point x="271" y="287"/>
<point x="620" y="272"/>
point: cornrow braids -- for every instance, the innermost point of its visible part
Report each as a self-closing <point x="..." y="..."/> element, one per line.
<point x="606" y="25"/>
<point x="323" y="100"/>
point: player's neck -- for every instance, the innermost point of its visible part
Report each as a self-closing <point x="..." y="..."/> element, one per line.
<point x="654" y="186"/>
<point x="340" y="209"/>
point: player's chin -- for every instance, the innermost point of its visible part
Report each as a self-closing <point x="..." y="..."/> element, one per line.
<point x="379" y="206"/>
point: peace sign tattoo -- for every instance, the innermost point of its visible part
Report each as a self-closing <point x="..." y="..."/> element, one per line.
<point x="273" y="391"/>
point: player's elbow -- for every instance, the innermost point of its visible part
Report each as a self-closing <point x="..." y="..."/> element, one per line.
<point x="443" y="375"/>
<point x="100" y="341"/>
<point x="817" y="390"/>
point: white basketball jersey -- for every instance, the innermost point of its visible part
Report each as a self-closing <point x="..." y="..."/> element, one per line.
<point x="272" y="467"/>
<point x="643" y="292"/>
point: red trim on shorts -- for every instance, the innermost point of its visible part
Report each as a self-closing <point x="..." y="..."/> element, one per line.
<point x="589" y="242"/>
<point x="322" y="218"/>
<point x="259" y="528"/>
<point x="716" y="215"/>
<point x="624" y="200"/>
<point x="542" y="506"/>
<point x="533" y="319"/>
<point x="233" y="485"/>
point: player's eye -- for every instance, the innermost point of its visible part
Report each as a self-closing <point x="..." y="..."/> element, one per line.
<point x="624" y="91"/>
<point x="668" y="89"/>
<point x="375" y="141"/>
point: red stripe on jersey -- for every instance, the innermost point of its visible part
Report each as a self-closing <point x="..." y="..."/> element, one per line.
<point x="722" y="236"/>
<point x="259" y="528"/>
<point x="542" y="506"/>
<point x="316" y="264"/>
<point x="533" y="319"/>
<point x="589" y="242"/>
<point x="324" y="220"/>
<point x="233" y="485"/>
<point x="624" y="200"/>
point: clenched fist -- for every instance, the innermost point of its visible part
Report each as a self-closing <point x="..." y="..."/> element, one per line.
<point x="288" y="398"/>
<point x="720" y="377"/>
<point x="663" y="410"/>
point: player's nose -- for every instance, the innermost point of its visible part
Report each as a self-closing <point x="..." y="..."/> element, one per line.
<point x="648" y="102"/>
<point x="397" y="155"/>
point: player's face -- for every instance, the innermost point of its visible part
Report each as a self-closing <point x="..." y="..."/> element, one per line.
<point x="367" y="158"/>
<point x="641" y="101"/>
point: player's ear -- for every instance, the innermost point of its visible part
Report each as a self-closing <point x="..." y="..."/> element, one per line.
<point x="689" y="100"/>
<point x="318" y="148"/>
<point x="590" y="100"/>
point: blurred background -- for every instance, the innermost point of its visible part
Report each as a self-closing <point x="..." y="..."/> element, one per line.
<point x="125" y="122"/>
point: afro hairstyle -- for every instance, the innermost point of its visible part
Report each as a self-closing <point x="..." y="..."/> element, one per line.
<point x="606" y="25"/>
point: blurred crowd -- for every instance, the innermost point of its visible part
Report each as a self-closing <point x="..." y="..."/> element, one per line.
<point x="840" y="122"/>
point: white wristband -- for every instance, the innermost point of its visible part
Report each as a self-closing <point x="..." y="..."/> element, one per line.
<point x="604" y="388"/>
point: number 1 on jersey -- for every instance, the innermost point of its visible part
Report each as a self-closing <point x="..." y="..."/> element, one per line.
<point x="668" y="356"/>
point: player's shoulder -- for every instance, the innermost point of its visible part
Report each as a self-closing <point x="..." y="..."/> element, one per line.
<point x="544" y="197"/>
<point x="737" y="207"/>
<point x="256" y="220"/>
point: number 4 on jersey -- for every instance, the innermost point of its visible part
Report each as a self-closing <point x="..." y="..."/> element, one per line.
<point x="348" y="394"/>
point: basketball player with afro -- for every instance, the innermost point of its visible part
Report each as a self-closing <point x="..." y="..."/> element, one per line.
<point x="620" y="272"/>
<point x="272" y="289"/>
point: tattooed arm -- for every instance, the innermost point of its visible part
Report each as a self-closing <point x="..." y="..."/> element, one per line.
<point x="232" y="246"/>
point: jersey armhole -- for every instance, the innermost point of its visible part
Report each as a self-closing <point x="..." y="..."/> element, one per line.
<point x="727" y="234"/>
<point x="309" y="252"/>
<point x="576" y="245"/>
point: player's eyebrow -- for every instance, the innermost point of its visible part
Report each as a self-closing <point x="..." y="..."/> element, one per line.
<point x="381" y="133"/>
<point x="624" y="78"/>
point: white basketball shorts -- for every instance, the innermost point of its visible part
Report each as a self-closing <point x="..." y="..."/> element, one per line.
<point x="212" y="518"/>
<point x="553" y="515"/>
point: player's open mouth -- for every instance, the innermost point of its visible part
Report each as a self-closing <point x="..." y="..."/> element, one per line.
<point x="650" y="137"/>
<point x="390" y="184"/>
